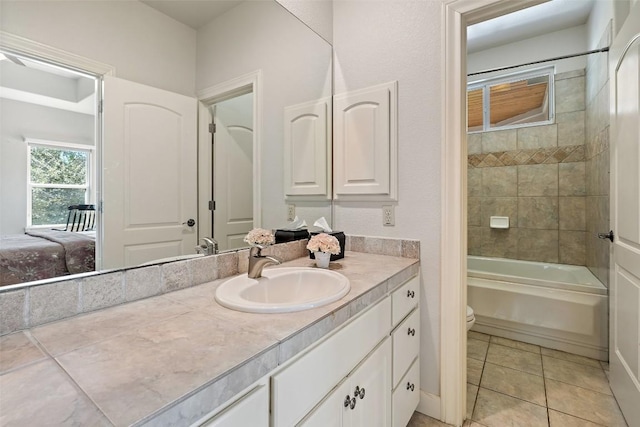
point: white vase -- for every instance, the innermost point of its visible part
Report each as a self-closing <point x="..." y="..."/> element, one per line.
<point x="322" y="259"/>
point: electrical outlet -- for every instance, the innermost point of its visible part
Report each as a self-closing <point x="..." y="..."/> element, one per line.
<point x="291" y="212"/>
<point x="387" y="216"/>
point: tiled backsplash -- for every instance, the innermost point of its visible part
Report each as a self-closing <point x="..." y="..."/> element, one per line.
<point x="536" y="176"/>
<point x="34" y="305"/>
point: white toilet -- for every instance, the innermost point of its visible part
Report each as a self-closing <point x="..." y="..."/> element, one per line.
<point x="471" y="318"/>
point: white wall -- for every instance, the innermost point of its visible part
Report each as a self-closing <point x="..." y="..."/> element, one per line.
<point x="600" y="16"/>
<point x="296" y="68"/>
<point x="377" y="42"/>
<point x="558" y="43"/>
<point x="144" y="45"/>
<point x="17" y="121"/>
<point x="318" y="15"/>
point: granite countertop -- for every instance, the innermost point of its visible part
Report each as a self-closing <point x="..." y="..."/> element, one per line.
<point x="169" y="359"/>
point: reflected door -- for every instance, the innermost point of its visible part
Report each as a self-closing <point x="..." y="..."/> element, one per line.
<point x="624" y="352"/>
<point x="150" y="174"/>
<point x="233" y="171"/>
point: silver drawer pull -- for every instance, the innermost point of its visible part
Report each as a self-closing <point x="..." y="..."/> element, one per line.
<point x="411" y="294"/>
<point x="411" y="332"/>
<point x="410" y="386"/>
<point x="359" y="392"/>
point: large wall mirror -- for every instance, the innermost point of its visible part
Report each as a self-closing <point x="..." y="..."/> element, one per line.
<point x="50" y="148"/>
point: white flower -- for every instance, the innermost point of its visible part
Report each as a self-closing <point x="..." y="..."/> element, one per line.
<point x="324" y="242"/>
<point x="259" y="236"/>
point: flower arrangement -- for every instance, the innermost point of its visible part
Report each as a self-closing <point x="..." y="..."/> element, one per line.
<point x="324" y="242"/>
<point x="260" y="237"/>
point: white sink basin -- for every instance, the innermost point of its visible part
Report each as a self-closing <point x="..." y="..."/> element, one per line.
<point x="283" y="290"/>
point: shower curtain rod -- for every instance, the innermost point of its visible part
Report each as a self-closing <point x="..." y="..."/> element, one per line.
<point x="604" y="49"/>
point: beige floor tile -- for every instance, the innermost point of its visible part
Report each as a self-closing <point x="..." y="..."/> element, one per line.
<point x="478" y="336"/>
<point x="514" y="383"/>
<point x="474" y="370"/>
<point x="580" y="402"/>
<point x="421" y="420"/>
<point x="498" y="410"/>
<point x="17" y="350"/>
<point x="472" y="393"/>
<point x="570" y="357"/>
<point x="471" y="423"/>
<point x="576" y="374"/>
<point x="516" y="344"/>
<point x="477" y="349"/>
<point x="558" y="419"/>
<point x="514" y="358"/>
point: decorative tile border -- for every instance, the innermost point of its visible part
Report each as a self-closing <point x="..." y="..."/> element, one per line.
<point x="567" y="154"/>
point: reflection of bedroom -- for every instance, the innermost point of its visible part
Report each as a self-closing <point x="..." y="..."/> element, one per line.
<point x="47" y="164"/>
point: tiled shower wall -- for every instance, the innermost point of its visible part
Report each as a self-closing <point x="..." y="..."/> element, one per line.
<point x="597" y="160"/>
<point x="536" y="176"/>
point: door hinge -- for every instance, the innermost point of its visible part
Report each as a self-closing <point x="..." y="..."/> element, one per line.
<point x="212" y="127"/>
<point x="100" y="108"/>
<point x="212" y="205"/>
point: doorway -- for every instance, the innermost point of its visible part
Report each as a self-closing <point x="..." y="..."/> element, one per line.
<point x="232" y="172"/>
<point x="229" y="164"/>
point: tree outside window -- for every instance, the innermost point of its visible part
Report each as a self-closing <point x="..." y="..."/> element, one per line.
<point x="59" y="176"/>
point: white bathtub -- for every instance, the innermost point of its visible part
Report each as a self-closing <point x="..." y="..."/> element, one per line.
<point x="557" y="306"/>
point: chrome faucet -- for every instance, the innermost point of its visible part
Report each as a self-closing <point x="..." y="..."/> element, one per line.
<point x="257" y="262"/>
<point x="209" y="247"/>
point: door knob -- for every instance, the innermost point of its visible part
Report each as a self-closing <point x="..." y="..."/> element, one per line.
<point x="608" y="235"/>
<point x="190" y="222"/>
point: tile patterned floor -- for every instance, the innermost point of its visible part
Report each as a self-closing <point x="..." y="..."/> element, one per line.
<point x="511" y="383"/>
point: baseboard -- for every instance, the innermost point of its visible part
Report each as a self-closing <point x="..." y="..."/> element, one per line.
<point x="429" y="405"/>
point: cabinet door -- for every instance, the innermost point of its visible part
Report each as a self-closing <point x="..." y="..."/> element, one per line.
<point x="373" y="379"/>
<point x="331" y="410"/>
<point x="250" y="410"/>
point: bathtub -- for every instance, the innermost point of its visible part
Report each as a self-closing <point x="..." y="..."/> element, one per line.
<point x="563" y="307"/>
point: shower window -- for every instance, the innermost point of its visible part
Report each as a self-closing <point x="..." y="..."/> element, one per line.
<point x="508" y="101"/>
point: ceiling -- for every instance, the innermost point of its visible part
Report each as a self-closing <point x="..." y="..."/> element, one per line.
<point x="193" y="13"/>
<point x="545" y="18"/>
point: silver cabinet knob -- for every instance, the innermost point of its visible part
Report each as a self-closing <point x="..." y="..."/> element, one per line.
<point x="410" y="386"/>
<point x="411" y="294"/>
<point x="190" y="222"/>
<point x="411" y="332"/>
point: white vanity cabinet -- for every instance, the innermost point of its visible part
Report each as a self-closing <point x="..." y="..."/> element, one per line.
<point x="251" y="409"/>
<point x="362" y="399"/>
<point x="406" y="350"/>
<point x="365" y="374"/>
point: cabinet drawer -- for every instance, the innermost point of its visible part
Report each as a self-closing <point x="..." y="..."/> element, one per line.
<point x="405" y="299"/>
<point x="406" y="396"/>
<point x="300" y="386"/>
<point x="406" y="345"/>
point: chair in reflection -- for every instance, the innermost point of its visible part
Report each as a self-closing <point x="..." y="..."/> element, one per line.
<point x="81" y="218"/>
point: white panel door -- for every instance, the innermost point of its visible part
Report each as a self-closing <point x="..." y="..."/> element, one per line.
<point x="149" y="173"/>
<point x="307" y="149"/>
<point x="625" y="213"/>
<point x="373" y="378"/>
<point x="233" y="171"/>
<point x="364" y="142"/>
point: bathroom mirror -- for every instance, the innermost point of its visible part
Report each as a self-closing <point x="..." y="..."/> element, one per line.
<point x="274" y="31"/>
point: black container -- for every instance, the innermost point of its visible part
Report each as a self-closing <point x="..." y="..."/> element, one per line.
<point x="341" y="239"/>
<point x="284" y="236"/>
